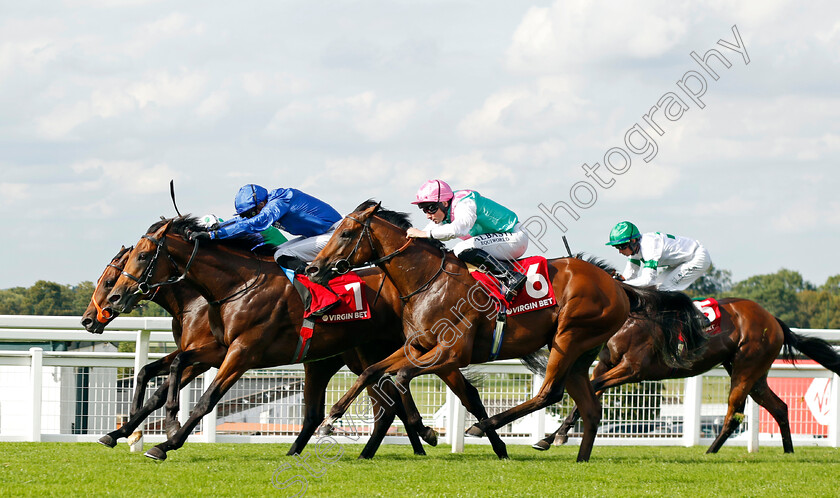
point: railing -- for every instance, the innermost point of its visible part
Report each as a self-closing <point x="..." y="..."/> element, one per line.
<point x="81" y="394"/>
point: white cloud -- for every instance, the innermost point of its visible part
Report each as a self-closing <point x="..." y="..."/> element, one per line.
<point x="260" y="84"/>
<point x="12" y="193"/>
<point x="373" y="118"/>
<point x="214" y="106"/>
<point x="577" y="31"/>
<point x="133" y="177"/>
<point x="643" y="181"/>
<point x="524" y="111"/>
<point x="473" y="170"/>
<point x="808" y="215"/>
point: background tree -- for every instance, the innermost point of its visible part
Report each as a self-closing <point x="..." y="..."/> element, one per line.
<point x="778" y="293"/>
<point x="715" y="283"/>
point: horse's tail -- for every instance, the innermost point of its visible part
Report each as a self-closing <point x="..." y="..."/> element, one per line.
<point x="536" y="362"/>
<point x="474" y="376"/>
<point x="683" y="338"/>
<point x="812" y="347"/>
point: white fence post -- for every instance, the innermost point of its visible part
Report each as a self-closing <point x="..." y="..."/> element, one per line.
<point x="753" y="424"/>
<point x="539" y="415"/>
<point x="834" y="425"/>
<point x="36" y="373"/>
<point x="692" y="399"/>
<point x="141" y="357"/>
<point x="209" y="420"/>
<point x="456" y="425"/>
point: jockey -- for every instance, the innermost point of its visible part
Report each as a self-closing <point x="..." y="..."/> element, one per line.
<point x="287" y="209"/>
<point x="489" y="232"/>
<point x="669" y="262"/>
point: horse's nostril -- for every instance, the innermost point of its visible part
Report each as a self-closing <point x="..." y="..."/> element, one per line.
<point x="86" y="322"/>
<point x="311" y="270"/>
<point x="115" y="298"/>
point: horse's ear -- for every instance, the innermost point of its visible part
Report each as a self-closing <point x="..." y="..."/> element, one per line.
<point x="377" y="207"/>
<point x="162" y="230"/>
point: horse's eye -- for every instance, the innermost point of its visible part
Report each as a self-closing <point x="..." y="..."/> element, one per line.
<point x="109" y="283"/>
<point x="143" y="256"/>
<point x="346" y="234"/>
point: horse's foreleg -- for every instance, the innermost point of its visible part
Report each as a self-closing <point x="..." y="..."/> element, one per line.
<point x="318" y="375"/>
<point x="232" y="368"/>
<point x="207" y="354"/>
<point x="368" y="377"/>
<point x="146" y="374"/>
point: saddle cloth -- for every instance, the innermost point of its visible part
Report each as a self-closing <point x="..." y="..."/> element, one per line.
<point x="350" y="290"/>
<point x="537" y="293"/>
<point x="711" y="308"/>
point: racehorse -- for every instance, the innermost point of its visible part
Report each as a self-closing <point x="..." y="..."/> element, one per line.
<point x="254" y="311"/>
<point x="191" y="331"/>
<point x="451" y="328"/>
<point x="749" y="341"/>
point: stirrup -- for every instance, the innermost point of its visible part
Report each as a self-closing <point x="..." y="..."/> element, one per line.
<point x="514" y="285"/>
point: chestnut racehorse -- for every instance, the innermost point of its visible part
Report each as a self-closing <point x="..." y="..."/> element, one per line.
<point x="191" y="330"/>
<point x="449" y="328"/>
<point x="749" y="341"/>
<point x="254" y="311"/>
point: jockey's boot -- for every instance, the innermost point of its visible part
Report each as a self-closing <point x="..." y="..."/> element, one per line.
<point x="299" y="268"/>
<point x="502" y="270"/>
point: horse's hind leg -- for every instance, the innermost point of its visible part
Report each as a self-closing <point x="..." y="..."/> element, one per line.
<point x="741" y="384"/>
<point x="764" y="396"/>
<point x="389" y="404"/>
<point x="469" y="397"/>
<point x="588" y="405"/>
<point x="317" y="377"/>
<point x="208" y="354"/>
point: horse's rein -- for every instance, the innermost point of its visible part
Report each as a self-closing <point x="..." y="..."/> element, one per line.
<point x="378" y="262"/>
<point x="143" y="287"/>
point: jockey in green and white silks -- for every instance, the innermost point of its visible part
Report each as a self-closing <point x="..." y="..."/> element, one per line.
<point x="669" y="262"/>
<point x="489" y="232"/>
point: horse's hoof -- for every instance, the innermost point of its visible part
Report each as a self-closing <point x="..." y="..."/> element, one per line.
<point x="420" y="452"/>
<point x="108" y="441"/>
<point x="156" y="454"/>
<point x="430" y="436"/>
<point x="364" y="457"/>
<point x="474" y="431"/>
<point x="326" y="430"/>
<point x="541" y="445"/>
<point x="134" y="437"/>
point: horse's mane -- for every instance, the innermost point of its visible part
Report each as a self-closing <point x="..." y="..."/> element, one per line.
<point x="182" y="225"/>
<point x="397" y="218"/>
<point x="600" y="263"/>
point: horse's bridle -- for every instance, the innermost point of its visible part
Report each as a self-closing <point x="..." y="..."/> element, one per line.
<point x="143" y="285"/>
<point x="343" y="265"/>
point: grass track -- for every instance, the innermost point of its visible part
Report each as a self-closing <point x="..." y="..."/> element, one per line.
<point x="88" y="469"/>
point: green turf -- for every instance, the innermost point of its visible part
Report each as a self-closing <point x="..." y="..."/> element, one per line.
<point x="88" y="469"/>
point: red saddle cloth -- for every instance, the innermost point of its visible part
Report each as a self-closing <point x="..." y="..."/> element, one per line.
<point x="350" y="290"/>
<point x="711" y="308"/>
<point x="536" y="294"/>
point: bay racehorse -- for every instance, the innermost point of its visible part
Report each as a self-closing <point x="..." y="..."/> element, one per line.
<point x="254" y="311"/>
<point x="449" y="326"/>
<point x="192" y="334"/>
<point x="748" y="343"/>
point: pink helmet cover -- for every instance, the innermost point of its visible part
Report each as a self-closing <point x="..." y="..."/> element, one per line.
<point x="434" y="191"/>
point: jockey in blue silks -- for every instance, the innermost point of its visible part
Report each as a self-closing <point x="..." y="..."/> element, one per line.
<point x="287" y="209"/>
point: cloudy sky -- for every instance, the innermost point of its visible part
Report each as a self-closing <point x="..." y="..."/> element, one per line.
<point x="102" y="102"/>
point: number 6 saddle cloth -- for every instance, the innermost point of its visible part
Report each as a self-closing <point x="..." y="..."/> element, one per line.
<point x="535" y="295"/>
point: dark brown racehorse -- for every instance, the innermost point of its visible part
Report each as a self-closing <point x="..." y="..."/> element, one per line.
<point x="452" y="325"/>
<point x="192" y="334"/>
<point x="749" y="342"/>
<point x="254" y="311"/>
